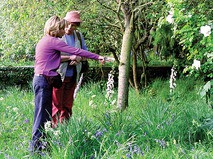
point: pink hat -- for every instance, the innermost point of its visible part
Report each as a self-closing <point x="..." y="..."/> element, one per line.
<point x="73" y="16"/>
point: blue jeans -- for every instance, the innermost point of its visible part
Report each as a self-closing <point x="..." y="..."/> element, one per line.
<point x="43" y="110"/>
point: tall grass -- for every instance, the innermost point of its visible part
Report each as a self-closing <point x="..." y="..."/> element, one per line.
<point x="155" y="125"/>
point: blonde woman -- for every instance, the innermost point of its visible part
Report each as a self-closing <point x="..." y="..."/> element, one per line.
<point x="47" y="61"/>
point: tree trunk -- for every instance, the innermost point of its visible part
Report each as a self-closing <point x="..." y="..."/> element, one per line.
<point x="124" y="66"/>
<point x="134" y="71"/>
<point x="144" y="66"/>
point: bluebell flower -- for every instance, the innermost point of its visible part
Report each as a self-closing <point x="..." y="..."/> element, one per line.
<point x="26" y="121"/>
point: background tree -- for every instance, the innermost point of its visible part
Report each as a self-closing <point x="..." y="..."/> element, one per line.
<point x="147" y="14"/>
<point x="23" y="22"/>
<point x="124" y="64"/>
<point x="137" y="20"/>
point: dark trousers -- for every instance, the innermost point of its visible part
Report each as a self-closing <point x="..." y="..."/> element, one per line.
<point x="43" y="110"/>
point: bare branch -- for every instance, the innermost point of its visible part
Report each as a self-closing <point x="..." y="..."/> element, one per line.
<point x="118" y="16"/>
<point x="141" y="6"/>
<point x="140" y="41"/>
<point x="107" y="20"/>
<point x="106" y="6"/>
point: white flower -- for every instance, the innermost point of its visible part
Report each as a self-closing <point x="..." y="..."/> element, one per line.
<point x="170" y="18"/>
<point x="15" y="109"/>
<point x="48" y="126"/>
<point x="196" y="64"/>
<point x="172" y="79"/>
<point x="90" y="102"/>
<point x="57" y="133"/>
<point x="171" y="10"/>
<point x="205" y="30"/>
<point x="1" y="98"/>
<point x="189" y="15"/>
<point x="93" y="96"/>
<point x="110" y="84"/>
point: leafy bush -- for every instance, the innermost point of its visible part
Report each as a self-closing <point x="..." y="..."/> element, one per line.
<point x="13" y="76"/>
<point x="189" y="19"/>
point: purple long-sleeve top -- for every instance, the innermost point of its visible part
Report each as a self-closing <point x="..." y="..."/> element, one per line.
<point x="47" y="56"/>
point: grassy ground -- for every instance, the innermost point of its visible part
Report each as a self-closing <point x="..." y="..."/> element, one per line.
<point x="155" y="125"/>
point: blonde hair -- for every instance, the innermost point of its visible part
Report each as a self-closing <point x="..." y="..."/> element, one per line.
<point x="53" y="25"/>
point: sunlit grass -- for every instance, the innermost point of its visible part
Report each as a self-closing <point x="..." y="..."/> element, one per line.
<point x="155" y="125"/>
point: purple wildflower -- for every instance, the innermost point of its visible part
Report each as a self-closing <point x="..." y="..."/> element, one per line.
<point x="162" y="143"/>
<point x="26" y="121"/>
<point x="128" y="155"/>
<point x="98" y="134"/>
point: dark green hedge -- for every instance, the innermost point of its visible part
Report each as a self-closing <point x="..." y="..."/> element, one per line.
<point x="10" y="75"/>
<point x="23" y="75"/>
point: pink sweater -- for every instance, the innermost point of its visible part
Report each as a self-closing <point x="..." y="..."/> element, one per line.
<point x="47" y="56"/>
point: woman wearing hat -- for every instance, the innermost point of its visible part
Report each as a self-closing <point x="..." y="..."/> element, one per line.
<point x="62" y="99"/>
<point x="47" y="61"/>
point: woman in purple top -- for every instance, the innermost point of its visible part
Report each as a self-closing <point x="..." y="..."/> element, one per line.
<point x="47" y="61"/>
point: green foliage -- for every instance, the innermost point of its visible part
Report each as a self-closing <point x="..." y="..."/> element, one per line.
<point x="189" y="17"/>
<point x="16" y="76"/>
<point x="101" y="28"/>
<point x="20" y="29"/>
<point x="179" y="34"/>
<point x="163" y="38"/>
<point x="154" y="125"/>
<point x="207" y="91"/>
<point x="23" y="22"/>
<point x="16" y="119"/>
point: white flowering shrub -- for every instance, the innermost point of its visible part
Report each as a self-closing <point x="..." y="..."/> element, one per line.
<point x="185" y="33"/>
<point x="192" y="25"/>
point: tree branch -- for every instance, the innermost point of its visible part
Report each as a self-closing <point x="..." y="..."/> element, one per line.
<point x="106" y="6"/>
<point x="141" y="6"/>
<point x="140" y="41"/>
<point x="118" y="16"/>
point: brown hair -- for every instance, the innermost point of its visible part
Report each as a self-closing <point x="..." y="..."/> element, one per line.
<point x="53" y="25"/>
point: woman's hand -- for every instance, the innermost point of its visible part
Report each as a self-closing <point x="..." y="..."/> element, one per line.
<point x="75" y="58"/>
<point x="78" y="59"/>
<point x="101" y="59"/>
<point x="83" y="58"/>
<point x="73" y="63"/>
